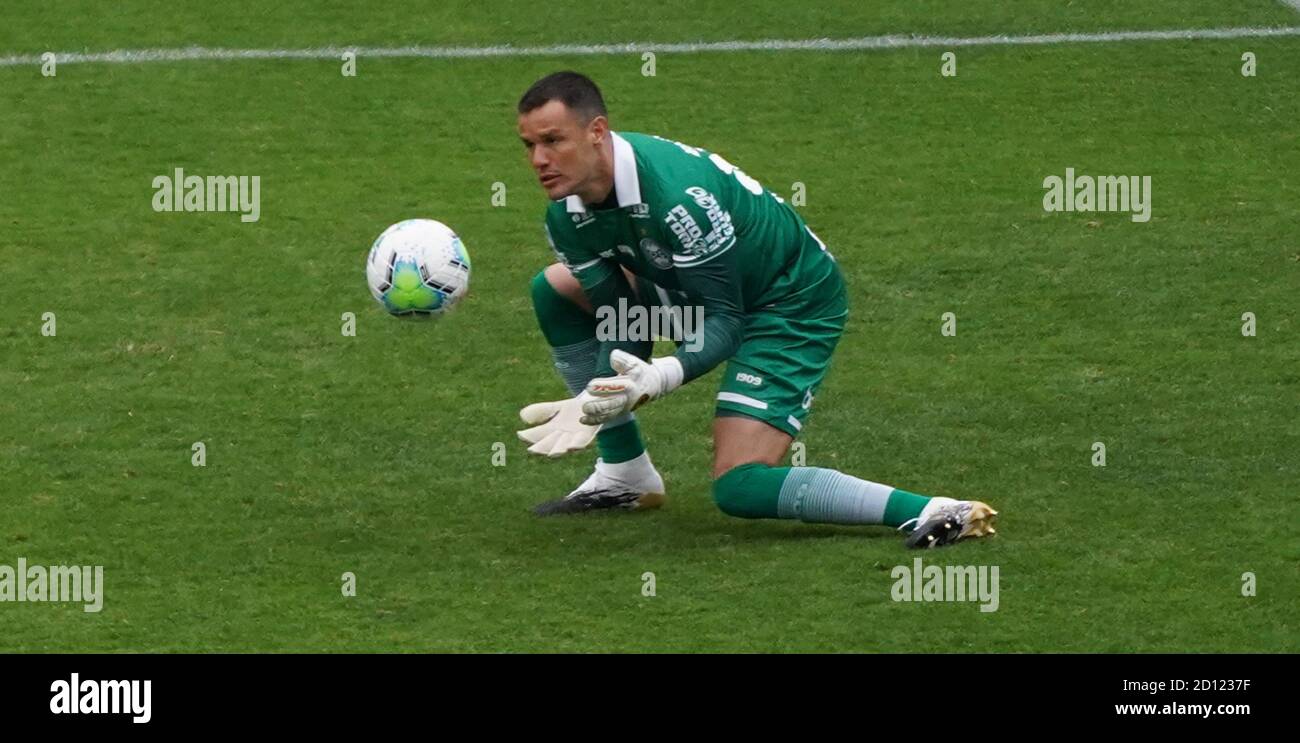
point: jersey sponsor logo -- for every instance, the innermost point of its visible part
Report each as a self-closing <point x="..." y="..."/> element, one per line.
<point x="695" y="242"/>
<point x="702" y="197"/>
<point x="656" y="254"/>
<point x="683" y="226"/>
<point x="749" y="379"/>
<point x="719" y="219"/>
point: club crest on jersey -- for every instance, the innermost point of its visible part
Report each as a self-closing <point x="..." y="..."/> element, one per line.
<point x="656" y="254"/>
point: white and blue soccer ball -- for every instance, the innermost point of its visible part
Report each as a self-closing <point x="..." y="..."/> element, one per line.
<point x="418" y="268"/>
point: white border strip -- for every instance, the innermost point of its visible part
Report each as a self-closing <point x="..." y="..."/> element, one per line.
<point x="741" y="400"/>
<point x="135" y="56"/>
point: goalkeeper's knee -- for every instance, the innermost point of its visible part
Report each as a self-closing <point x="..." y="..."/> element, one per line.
<point x="750" y="491"/>
<point x="546" y="300"/>
<point x="562" y="321"/>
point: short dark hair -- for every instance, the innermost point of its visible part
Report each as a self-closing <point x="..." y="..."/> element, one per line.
<point x="573" y="89"/>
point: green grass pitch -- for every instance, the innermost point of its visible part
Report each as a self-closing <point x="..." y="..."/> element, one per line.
<point x="373" y="454"/>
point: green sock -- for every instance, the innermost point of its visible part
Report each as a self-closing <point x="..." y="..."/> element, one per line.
<point x="903" y="506"/>
<point x="813" y="495"/>
<point x="571" y="333"/>
<point x="620" y="442"/>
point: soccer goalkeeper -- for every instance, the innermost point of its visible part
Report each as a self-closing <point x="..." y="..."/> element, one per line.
<point x="642" y="221"/>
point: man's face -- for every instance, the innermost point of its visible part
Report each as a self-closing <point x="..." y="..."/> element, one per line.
<point x="563" y="152"/>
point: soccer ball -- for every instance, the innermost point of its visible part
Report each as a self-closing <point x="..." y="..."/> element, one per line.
<point x="418" y="268"/>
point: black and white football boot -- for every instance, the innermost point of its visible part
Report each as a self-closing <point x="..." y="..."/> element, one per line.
<point x="630" y="486"/>
<point x="944" y="521"/>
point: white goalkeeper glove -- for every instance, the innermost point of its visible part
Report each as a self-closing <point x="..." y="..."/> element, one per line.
<point x="556" y="426"/>
<point x="637" y="383"/>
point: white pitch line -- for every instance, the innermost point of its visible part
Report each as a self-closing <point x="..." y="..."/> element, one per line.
<point x="132" y="56"/>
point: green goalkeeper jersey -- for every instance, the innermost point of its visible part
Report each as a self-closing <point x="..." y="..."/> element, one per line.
<point x="691" y="223"/>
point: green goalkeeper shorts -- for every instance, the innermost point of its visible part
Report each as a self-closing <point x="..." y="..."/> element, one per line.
<point x="784" y="356"/>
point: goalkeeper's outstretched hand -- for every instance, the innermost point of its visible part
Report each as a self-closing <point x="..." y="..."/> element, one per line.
<point x="637" y="383"/>
<point x="557" y="428"/>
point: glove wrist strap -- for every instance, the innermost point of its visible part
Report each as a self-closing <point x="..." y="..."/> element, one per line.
<point x="672" y="372"/>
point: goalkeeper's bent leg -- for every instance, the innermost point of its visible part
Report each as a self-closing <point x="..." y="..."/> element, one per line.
<point x="571" y="333"/>
<point x="813" y="495"/>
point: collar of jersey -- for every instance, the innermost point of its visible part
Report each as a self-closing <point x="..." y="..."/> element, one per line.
<point x="627" y="184"/>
